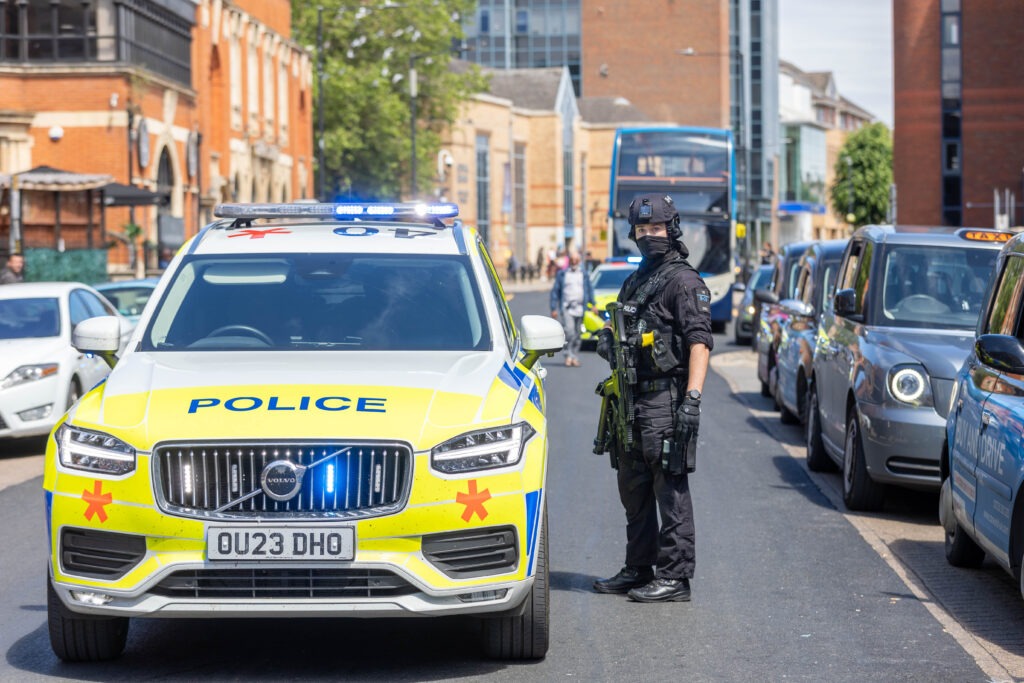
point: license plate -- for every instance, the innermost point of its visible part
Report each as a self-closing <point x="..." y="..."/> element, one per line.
<point x="280" y="543"/>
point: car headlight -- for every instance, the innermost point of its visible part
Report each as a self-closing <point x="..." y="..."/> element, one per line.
<point x="83" y="449"/>
<point x="482" y="450"/>
<point x="28" y="373"/>
<point x="750" y="310"/>
<point x="909" y="384"/>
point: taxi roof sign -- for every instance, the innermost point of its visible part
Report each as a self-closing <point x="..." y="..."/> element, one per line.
<point x="986" y="235"/>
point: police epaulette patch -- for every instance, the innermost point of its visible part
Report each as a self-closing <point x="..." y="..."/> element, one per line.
<point x="702" y="299"/>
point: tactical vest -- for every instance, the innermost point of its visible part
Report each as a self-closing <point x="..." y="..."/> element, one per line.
<point x="637" y="297"/>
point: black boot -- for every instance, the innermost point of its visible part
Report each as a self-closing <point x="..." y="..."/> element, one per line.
<point x="628" y="577"/>
<point x="662" y="590"/>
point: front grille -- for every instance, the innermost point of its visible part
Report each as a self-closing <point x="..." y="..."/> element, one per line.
<point x="342" y="480"/>
<point x="102" y="554"/>
<point x="283" y="583"/>
<point x="464" y="554"/>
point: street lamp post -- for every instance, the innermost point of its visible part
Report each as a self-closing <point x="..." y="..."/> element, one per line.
<point x="850" y="216"/>
<point x="413" y="92"/>
<point x="321" y="170"/>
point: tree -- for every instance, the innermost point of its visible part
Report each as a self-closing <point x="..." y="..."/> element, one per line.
<point x="863" y="175"/>
<point x="368" y="48"/>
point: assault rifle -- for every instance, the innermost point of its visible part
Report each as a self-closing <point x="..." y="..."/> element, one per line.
<point x="615" y="426"/>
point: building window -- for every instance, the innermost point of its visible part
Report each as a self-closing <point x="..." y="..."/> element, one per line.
<point x="485" y="21"/>
<point x="236" y="83"/>
<point x="522" y="21"/>
<point x="519" y="199"/>
<point x="138" y="32"/>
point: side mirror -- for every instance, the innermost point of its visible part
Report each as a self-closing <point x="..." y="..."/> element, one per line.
<point x="541" y="336"/>
<point x="739" y="287"/>
<point x="845" y="303"/>
<point x="796" y="307"/>
<point x="100" y="336"/>
<point x="766" y="296"/>
<point x="1001" y="352"/>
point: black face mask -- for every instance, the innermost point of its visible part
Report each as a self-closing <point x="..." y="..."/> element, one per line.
<point x="654" y="248"/>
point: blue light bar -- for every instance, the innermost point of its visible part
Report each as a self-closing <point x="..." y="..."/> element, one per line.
<point x="341" y="211"/>
<point x="634" y="259"/>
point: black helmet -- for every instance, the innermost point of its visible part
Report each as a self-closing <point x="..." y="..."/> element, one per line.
<point x="654" y="208"/>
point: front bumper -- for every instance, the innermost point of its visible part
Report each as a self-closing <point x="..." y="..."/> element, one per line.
<point x="41" y="396"/>
<point x="903" y="445"/>
<point x="502" y="595"/>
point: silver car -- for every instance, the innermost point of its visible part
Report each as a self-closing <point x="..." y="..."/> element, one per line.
<point x="887" y="352"/>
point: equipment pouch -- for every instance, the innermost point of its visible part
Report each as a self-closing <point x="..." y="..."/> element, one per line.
<point x="661" y="353"/>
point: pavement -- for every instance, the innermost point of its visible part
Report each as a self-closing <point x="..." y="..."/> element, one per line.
<point x="540" y="285"/>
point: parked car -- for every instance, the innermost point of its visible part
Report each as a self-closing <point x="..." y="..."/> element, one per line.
<point x="750" y="308"/>
<point x="794" y="368"/>
<point x="129" y="296"/>
<point x="42" y="374"/>
<point x="983" y="459"/>
<point x="982" y="466"/>
<point x="906" y="304"/>
<point x="607" y="280"/>
<point x="782" y="286"/>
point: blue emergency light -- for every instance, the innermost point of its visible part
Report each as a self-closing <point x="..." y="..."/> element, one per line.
<point x="347" y="211"/>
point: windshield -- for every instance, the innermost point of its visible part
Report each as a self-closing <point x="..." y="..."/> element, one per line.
<point x="321" y="301"/>
<point x="29" y="318"/>
<point x="761" y="279"/>
<point x="128" y="300"/>
<point x="935" y="287"/>
<point x="610" y="278"/>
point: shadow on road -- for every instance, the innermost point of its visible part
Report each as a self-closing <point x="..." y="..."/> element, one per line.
<point x="17" y="448"/>
<point x="573" y="582"/>
<point x="275" y="649"/>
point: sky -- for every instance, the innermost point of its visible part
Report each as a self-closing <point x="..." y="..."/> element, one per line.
<point x="850" y="38"/>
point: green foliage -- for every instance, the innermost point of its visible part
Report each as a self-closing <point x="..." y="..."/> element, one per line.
<point x="367" y="49"/>
<point x="869" y="175"/>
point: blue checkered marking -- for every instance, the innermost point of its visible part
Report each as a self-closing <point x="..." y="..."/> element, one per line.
<point x="532" y="526"/>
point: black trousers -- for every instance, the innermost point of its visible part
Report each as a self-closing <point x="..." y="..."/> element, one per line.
<point x="647" y="490"/>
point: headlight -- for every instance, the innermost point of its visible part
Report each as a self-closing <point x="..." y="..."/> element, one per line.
<point x="750" y="310"/>
<point x="482" y="450"/>
<point x="82" y="449"/>
<point x="909" y="385"/>
<point x="28" y="373"/>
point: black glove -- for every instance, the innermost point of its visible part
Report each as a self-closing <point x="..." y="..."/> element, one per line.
<point x="688" y="419"/>
<point x="605" y="340"/>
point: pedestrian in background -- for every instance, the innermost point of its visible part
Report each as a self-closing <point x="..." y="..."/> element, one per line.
<point x="14" y="271"/>
<point x="767" y="254"/>
<point x="571" y="295"/>
<point x="666" y="299"/>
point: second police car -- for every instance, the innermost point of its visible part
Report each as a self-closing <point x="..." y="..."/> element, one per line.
<point x="980" y="504"/>
<point x="324" y="410"/>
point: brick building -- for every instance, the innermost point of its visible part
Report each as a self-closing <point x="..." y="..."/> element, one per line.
<point x="195" y="101"/>
<point x="958" y="142"/>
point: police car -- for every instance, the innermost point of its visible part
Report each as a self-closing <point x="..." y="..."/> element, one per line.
<point x="325" y="410"/>
<point x="980" y="504"/>
<point x="607" y="279"/>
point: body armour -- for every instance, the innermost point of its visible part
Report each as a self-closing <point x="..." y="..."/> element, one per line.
<point x="671" y="298"/>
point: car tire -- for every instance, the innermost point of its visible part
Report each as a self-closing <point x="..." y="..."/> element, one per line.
<point x="81" y="637"/>
<point x="765" y="390"/>
<point x="786" y="416"/>
<point x="527" y="635"/>
<point x="961" y="550"/>
<point x="860" y="492"/>
<point x="74" y="393"/>
<point x="817" y="458"/>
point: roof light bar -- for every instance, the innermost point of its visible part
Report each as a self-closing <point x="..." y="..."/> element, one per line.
<point x="341" y="211"/>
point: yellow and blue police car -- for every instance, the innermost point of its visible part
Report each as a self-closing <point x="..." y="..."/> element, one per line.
<point x="325" y="410"/>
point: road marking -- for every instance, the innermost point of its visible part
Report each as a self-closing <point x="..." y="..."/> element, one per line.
<point x="995" y="661"/>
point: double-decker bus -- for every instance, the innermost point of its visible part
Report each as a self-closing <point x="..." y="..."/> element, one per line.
<point x="695" y="166"/>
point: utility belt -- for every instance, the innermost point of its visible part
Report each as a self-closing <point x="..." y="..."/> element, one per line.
<point x="647" y="386"/>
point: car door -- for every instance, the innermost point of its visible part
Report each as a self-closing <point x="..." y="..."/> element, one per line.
<point x="992" y="417"/>
<point x="837" y="343"/>
<point x="791" y="327"/>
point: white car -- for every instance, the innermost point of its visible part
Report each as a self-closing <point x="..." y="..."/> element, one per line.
<point x="41" y="374"/>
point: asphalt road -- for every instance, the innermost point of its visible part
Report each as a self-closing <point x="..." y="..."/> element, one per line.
<point x="788" y="585"/>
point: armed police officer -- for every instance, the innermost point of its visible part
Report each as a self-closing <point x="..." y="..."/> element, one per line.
<point x="658" y="343"/>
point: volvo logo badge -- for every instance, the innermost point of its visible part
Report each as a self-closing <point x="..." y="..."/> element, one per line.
<point x="282" y="479"/>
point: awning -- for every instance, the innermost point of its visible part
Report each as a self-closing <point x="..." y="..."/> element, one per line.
<point x="49" y="179"/>
<point x="118" y="194"/>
